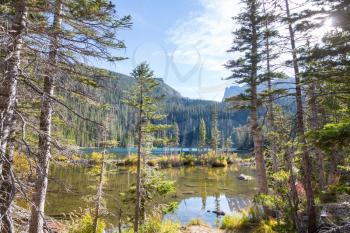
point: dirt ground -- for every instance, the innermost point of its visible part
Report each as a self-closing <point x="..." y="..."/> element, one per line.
<point x="200" y="229"/>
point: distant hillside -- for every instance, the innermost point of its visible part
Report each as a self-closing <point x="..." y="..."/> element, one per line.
<point x="125" y="82"/>
<point x="184" y="111"/>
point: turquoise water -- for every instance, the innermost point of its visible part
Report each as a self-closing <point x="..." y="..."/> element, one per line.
<point x="155" y="151"/>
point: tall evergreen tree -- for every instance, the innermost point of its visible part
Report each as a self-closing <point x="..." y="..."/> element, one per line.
<point x="228" y="144"/>
<point x="247" y="43"/>
<point x="270" y="54"/>
<point x="176" y="136"/>
<point x="215" y="133"/>
<point x="202" y="136"/>
<point x="11" y="54"/>
<point x="300" y="129"/>
<point x="141" y="97"/>
<point x="90" y="30"/>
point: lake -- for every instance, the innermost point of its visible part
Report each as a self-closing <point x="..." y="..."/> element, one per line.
<point x="200" y="190"/>
<point x="120" y="152"/>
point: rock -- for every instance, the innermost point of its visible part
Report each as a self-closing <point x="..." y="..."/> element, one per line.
<point x="220" y="213"/>
<point x="333" y="228"/>
<point x="244" y="177"/>
<point x="336" y="213"/>
<point x="188" y="193"/>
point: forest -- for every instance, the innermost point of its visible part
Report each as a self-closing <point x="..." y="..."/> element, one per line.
<point x="272" y="156"/>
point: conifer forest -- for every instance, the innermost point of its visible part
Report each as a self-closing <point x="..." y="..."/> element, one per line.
<point x="183" y="116"/>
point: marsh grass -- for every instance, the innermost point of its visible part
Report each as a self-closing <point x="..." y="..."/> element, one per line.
<point x="180" y="160"/>
<point x="154" y="224"/>
<point x="197" y="222"/>
<point x="235" y="222"/>
<point x="246" y="219"/>
<point x="266" y="226"/>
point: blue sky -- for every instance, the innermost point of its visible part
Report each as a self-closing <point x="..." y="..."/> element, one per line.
<point x="184" y="41"/>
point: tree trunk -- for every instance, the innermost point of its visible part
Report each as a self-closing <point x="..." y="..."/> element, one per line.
<point x="306" y="163"/>
<point x="315" y="123"/>
<point x="8" y="188"/>
<point x="333" y="176"/>
<point x="99" y="194"/>
<point x="44" y="154"/>
<point x="138" y="175"/>
<point x="293" y="190"/>
<point x="271" y="118"/>
<point x="8" y="88"/>
<point x="256" y="131"/>
<point x="8" y="93"/>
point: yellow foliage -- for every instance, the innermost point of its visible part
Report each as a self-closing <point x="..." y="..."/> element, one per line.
<point x="266" y="226"/>
<point x="97" y="157"/>
<point x="234" y="222"/>
<point x="21" y="163"/>
<point x="197" y="222"/>
<point x="61" y="158"/>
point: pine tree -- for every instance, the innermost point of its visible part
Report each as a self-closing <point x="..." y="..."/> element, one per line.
<point x="270" y="55"/>
<point x="247" y="43"/>
<point x="99" y="29"/>
<point x="300" y="128"/>
<point x="12" y="42"/>
<point x="175" y="137"/>
<point x="326" y="75"/>
<point x="228" y="145"/>
<point x="202" y="136"/>
<point x="215" y="133"/>
<point x="141" y="98"/>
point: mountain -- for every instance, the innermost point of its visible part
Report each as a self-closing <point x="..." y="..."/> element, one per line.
<point x="125" y="82"/>
<point x="121" y="118"/>
<point x="234" y="90"/>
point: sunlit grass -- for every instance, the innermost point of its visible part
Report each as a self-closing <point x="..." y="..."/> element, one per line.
<point x="234" y="222"/>
<point x="197" y="222"/>
<point x="266" y="226"/>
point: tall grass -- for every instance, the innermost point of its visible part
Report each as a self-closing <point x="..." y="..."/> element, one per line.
<point x="197" y="222"/>
<point x="234" y="222"/>
<point x="266" y="226"/>
<point x="179" y="160"/>
<point x="154" y="224"/>
<point x="85" y="225"/>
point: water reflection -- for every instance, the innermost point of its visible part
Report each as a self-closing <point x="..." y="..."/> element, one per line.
<point x="199" y="190"/>
<point x="199" y="208"/>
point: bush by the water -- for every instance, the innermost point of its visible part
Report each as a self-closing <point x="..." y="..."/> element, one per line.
<point x="154" y="224"/>
<point x="266" y="226"/>
<point x="245" y="219"/>
<point x="234" y="222"/>
<point x="210" y="159"/>
<point x="85" y="225"/>
<point x="197" y="222"/>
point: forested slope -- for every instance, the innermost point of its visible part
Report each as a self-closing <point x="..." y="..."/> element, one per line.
<point x="186" y="112"/>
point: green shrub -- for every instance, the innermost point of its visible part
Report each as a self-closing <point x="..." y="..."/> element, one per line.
<point x="96" y="157"/>
<point x="152" y="163"/>
<point x="189" y="160"/>
<point x="219" y="162"/>
<point x="266" y="226"/>
<point x="131" y="161"/>
<point x="340" y="188"/>
<point x="234" y="222"/>
<point x="85" y="225"/>
<point x="155" y="224"/>
<point x="255" y="214"/>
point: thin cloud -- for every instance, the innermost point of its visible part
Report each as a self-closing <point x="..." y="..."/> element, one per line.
<point x="205" y="34"/>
